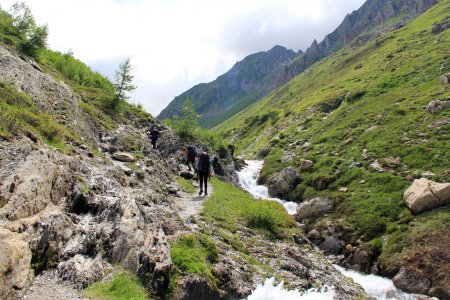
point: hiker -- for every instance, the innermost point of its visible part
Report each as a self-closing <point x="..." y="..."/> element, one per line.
<point x="204" y="171"/>
<point x="191" y="153"/>
<point x="154" y="135"/>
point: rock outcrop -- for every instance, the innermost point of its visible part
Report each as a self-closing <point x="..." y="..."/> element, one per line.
<point x="412" y="281"/>
<point x="281" y="184"/>
<point x="313" y="208"/>
<point x="15" y="259"/>
<point x="82" y="271"/>
<point x="436" y="106"/>
<point x="424" y="195"/>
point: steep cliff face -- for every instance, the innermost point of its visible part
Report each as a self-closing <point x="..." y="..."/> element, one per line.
<point x="246" y="82"/>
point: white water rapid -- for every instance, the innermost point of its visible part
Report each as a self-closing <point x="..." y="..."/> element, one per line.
<point x="378" y="287"/>
<point x="248" y="178"/>
<point x="270" y="291"/>
<point x="375" y="286"/>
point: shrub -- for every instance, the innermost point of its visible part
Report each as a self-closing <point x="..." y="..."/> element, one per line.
<point x="186" y="125"/>
<point x="193" y="253"/>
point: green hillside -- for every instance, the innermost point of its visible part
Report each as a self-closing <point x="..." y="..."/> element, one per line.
<point x="359" y="105"/>
<point x="21" y="114"/>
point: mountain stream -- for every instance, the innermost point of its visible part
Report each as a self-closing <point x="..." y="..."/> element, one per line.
<point x="375" y="286"/>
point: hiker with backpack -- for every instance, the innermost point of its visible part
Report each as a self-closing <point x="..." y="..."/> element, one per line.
<point x="204" y="171"/>
<point x="154" y="135"/>
<point x="191" y="153"/>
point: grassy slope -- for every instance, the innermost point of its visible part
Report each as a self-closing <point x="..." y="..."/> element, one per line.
<point x="387" y="83"/>
<point x="19" y="115"/>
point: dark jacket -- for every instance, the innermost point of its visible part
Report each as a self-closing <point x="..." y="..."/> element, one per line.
<point x="154" y="134"/>
<point x="204" y="163"/>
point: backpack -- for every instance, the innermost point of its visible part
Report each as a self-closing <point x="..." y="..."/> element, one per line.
<point x="204" y="163"/>
<point x="192" y="152"/>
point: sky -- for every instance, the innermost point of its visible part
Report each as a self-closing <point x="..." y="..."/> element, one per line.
<point x="176" y="44"/>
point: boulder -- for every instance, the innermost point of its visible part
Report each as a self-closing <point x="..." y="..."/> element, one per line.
<point x="314" y="235"/>
<point x="343" y="189"/>
<point x="321" y="183"/>
<point x="358" y="258"/>
<point x="445" y="79"/>
<point x="376" y="165"/>
<point x="411" y="281"/>
<point x="314" y="208"/>
<point x="263" y="153"/>
<point x="306" y="164"/>
<point x="282" y="183"/>
<point x="425" y="195"/>
<point x="124" y="157"/>
<point x="15" y="259"/>
<point x="82" y="271"/>
<point x="436" y="106"/>
<point x="187" y="175"/>
<point x="330" y="246"/>
<point x="391" y="162"/>
<point x="287" y="157"/>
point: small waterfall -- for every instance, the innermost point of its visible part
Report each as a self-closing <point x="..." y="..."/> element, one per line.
<point x="248" y="178"/>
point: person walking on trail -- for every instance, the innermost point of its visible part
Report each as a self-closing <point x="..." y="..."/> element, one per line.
<point x="204" y="171"/>
<point x="154" y="135"/>
<point x="191" y="153"/>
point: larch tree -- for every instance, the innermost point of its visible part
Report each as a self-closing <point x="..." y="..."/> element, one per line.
<point x="123" y="82"/>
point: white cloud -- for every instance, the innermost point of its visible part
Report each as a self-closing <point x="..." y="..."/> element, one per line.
<point x="175" y="44"/>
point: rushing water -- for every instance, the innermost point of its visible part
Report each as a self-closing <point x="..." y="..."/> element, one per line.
<point x="375" y="286"/>
<point x="270" y="291"/>
<point x="248" y="178"/>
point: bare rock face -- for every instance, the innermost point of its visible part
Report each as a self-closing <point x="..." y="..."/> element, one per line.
<point x="196" y="287"/>
<point x="15" y="258"/>
<point x="411" y="281"/>
<point x="313" y="208"/>
<point x="40" y="180"/>
<point x="82" y="271"/>
<point x="282" y="183"/>
<point x="425" y="195"/>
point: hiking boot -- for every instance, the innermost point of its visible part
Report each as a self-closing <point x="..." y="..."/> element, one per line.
<point x="206" y="194"/>
<point x="201" y="191"/>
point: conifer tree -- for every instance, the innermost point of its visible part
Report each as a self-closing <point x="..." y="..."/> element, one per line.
<point x="123" y="82"/>
<point x="188" y="122"/>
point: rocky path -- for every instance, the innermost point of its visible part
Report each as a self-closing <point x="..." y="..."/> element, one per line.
<point x="46" y="286"/>
<point x="191" y="204"/>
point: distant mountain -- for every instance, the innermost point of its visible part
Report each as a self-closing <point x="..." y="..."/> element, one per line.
<point x="258" y="74"/>
<point x="372" y="19"/>
<point x="246" y="82"/>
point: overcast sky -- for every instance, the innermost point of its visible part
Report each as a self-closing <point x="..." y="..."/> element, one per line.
<point x="176" y="44"/>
